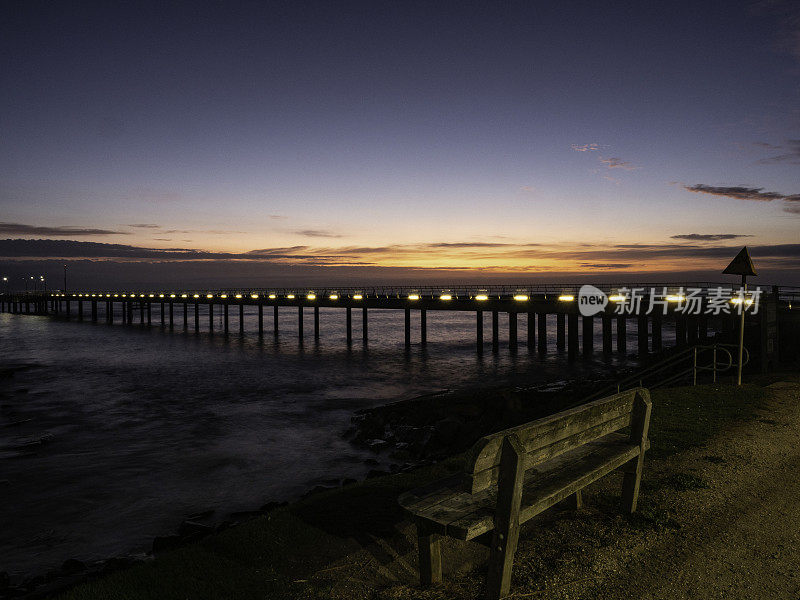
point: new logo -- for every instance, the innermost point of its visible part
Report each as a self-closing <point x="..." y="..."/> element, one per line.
<point x="591" y="300"/>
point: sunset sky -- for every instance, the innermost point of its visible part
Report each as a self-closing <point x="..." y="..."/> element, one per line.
<point x="259" y="140"/>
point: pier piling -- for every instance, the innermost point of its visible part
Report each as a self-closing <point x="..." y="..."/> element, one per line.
<point x="495" y="332"/>
<point x="512" y="331"/>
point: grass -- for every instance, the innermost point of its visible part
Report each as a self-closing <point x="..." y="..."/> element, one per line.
<point x="278" y="555"/>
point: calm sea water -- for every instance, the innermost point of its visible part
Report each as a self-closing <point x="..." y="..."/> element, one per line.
<point x="111" y="435"/>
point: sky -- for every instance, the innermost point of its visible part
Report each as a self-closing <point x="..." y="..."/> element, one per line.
<point x="243" y="142"/>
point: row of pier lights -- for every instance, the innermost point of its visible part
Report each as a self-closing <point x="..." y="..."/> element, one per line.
<point x="688" y="329"/>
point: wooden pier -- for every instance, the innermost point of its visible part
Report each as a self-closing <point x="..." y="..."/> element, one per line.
<point x="538" y="308"/>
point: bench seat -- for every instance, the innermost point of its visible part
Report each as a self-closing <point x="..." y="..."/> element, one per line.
<point x="447" y="510"/>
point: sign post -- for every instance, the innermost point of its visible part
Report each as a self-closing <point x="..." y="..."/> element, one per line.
<point x="741" y="265"/>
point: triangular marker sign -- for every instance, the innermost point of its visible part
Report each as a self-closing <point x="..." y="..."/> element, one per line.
<point x="741" y="265"/>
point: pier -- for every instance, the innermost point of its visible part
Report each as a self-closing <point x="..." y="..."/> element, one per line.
<point x="537" y="308"/>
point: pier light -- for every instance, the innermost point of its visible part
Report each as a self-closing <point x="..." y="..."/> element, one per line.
<point x="141" y="295"/>
<point x="311" y="296"/>
<point x="748" y="301"/>
<point x="413" y="296"/>
<point x="481" y="297"/>
<point x="184" y="295"/>
<point x="272" y="296"/>
<point x="254" y="296"/>
<point x="334" y="296"/>
<point x="124" y="295"/>
<point x="209" y="295"/>
<point x="566" y="298"/>
<point x="150" y="295"/>
<point x="172" y="295"/>
<point x="521" y="297"/>
<point x="358" y="297"/>
<point x="445" y="297"/>
<point x="196" y="296"/>
<point x="290" y="296"/>
<point x="617" y="298"/>
<point x="93" y="295"/>
<point x="161" y="295"/>
<point x="108" y="295"/>
<point x="238" y="296"/>
<point x="675" y="298"/>
<point x="223" y="295"/>
<point x="116" y="295"/>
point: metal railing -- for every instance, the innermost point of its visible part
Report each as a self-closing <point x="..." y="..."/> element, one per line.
<point x="683" y="365"/>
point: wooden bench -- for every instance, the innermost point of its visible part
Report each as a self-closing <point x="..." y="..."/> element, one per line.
<point x="513" y="475"/>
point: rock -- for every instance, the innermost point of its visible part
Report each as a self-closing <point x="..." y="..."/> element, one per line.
<point x="167" y="542"/>
<point x="72" y="566"/>
<point x="348" y="481"/>
<point x="404" y="432"/>
<point x="377" y="445"/>
<point x="192" y="529"/>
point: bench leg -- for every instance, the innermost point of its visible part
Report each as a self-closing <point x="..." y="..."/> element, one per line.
<point x="430" y="556"/>
<point x="576" y="500"/>
<point x="630" y="484"/>
<point x="506" y="518"/>
<point x="501" y="562"/>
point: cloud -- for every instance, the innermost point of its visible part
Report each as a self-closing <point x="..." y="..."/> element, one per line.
<point x="790" y="156"/>
<point x="741" y="193"/>
<point x="472" y="245"/>
<point x="709" y="237"/>
<point x="527" y="189"/>
<point x="144" y="225"/>
<point x="317" y="233"/>
<point x="278" y="217"/>
<point x="585" y="147"/>
<point x="21" y="229"/>
<point x="606" y="265"/>
<point x="212" y="231"/>
<point x="618" y="163"/>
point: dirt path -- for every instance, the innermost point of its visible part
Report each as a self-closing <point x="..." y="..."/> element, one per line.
<point x="740" y="537"/>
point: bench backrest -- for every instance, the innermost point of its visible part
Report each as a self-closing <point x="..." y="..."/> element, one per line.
<point x="551" y="436"/>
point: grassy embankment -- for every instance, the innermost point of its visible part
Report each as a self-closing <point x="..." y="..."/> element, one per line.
<point x="351" y="542"/>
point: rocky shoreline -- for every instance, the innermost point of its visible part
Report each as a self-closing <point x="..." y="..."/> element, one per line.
<point x="434" y="426"/>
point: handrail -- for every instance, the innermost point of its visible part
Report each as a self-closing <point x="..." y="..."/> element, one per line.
<point x="678" y="366"/>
